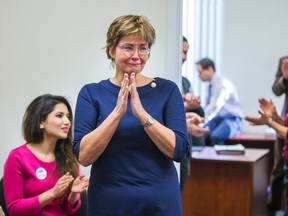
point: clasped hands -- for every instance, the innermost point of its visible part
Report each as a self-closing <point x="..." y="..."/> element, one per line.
<point x="191" y="102"/>
<point x="128" y="86"/>
<point x="79" y="185"/>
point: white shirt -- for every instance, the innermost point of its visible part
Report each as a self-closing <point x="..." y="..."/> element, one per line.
<point x="224" y="99"/>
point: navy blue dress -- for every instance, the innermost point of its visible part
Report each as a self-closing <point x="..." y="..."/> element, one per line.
<point x="132" y="176"/>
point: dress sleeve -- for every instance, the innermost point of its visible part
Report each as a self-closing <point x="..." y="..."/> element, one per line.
<point x="175" y="119"/>
<point x="68" y="209"/>
<point x="86" y="116"/>
<point x="13" y="180"/>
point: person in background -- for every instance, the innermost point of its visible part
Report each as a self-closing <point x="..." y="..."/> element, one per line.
<point x="191" y="102"/>
<point x="41" y="176"/>
<point x="192" y="106"/>
<point x="131" y="128"/>
<point x="280" y="87"/>
<point x="270" y="117"/>
<point x="223" y="111"/>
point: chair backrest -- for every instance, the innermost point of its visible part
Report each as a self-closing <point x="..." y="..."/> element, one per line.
<point x="2" y="200"/>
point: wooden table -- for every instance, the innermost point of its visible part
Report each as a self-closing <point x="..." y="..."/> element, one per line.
<point x="256" y="140"/>
<point x="227" y="184"/>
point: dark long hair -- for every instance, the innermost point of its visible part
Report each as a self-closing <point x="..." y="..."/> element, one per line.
<point x="280" y="63"/>
<point x="37" y="112"/>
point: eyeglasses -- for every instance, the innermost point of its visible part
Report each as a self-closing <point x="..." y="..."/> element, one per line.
<point x="130" y="50"/>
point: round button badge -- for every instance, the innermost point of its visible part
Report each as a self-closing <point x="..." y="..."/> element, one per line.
<point x="41" y="173"/>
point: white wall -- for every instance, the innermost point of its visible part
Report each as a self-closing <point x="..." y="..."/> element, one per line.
<point x="56" y="47"/>
<point x="255" y="37"/>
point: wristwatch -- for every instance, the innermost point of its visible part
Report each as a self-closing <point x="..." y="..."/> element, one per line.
<point x="149" y="122"/>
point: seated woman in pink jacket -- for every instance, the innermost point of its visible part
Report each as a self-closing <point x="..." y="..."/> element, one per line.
<point x="40" y="176"/>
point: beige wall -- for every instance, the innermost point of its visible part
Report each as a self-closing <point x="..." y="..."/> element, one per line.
<point x="254" y="38"/>
<point x="56" y="47"/>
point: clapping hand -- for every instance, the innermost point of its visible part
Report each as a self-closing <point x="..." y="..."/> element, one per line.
<point x="268" y="107"/>
<point x="262" y="120"/>
<point x="80" y="184"/>
<point x="121" y="106"/>
<point x="191" y="102"/>
<point x="62" y="185"/>
<point x="267" y="111"/>
<point x="128" y="86"/>
<point x="192" y="120"/>
<point x="136" y="105"/>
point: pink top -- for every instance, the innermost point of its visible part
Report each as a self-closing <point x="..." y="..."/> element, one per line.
<point x="25" y="177"/>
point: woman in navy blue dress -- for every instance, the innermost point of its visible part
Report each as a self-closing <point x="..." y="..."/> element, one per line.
<point x="131" y="128"/>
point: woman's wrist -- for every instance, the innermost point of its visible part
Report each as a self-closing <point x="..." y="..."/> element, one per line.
<point x="73" y="198"/>
<point x="270" y="121"/>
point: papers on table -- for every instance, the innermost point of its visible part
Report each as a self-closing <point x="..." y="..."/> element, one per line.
<point x="230" y="149"/>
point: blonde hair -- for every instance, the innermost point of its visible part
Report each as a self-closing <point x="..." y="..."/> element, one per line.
<point x="126" y="25"/>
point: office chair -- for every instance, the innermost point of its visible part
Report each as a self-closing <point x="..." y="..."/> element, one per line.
<point x="2" y="200"/>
